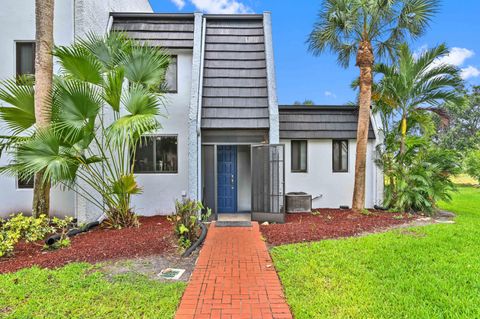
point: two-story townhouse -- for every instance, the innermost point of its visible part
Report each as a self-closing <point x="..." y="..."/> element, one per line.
<point x="225" y="140"/>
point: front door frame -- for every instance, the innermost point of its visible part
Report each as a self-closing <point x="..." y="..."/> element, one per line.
<point x="234" y="173"/>
<point x="215" y="188"/>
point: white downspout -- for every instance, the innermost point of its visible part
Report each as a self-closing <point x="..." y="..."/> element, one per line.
<point x="199" y="113"/>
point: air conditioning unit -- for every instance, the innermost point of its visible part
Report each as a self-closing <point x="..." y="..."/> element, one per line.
<point x="298" y="202"/>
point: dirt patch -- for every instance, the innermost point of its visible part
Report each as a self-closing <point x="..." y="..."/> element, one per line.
<point x="153" y="237"/>
<point x="330" y="223"/>
<point x="151" y="266"/>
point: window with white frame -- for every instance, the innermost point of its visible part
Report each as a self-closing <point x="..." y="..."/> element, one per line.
<point x="157" y="154"/>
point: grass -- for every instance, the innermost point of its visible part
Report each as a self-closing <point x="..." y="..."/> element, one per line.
<point x="79" y="291"/>
<point x="423" y="272"/>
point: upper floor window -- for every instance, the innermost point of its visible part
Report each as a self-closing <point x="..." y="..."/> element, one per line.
<point x="157" y="154"/>
<point x="299" y="156"/>
<point x="25" y="52"/>
<point x="171" y="77"/>
<point x="340" y="155"/>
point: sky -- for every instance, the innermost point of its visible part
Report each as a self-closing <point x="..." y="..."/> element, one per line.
<point x="301" y="76"/>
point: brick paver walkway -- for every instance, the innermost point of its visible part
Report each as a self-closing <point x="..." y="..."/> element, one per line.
<point x="234" y="278"/>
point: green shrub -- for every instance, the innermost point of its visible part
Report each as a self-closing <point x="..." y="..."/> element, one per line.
<point x="28" y="228"/>
<point x="20" y="227"/>
<point x="420" y="178"/>
<point x="8" y="241"/>
<point x="472" y="164"/>
<point x="185" y="221"/>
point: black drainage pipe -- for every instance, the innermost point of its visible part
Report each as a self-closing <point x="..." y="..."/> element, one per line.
<point x="200" y="240"/>
<point x="377" y="207"/>
<point x="72" y="232"/>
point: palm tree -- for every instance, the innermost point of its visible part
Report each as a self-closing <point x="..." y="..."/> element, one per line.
<point x="43" y="88"/>
<point x="415" y="84"/>
<point x="368" y="29"/>
<point x="82" y="145"/>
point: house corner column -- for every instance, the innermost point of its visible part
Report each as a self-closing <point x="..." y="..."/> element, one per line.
<point x="378" y="171"/>
<point x="271" y="80"/>
<point x="194" y="143"/>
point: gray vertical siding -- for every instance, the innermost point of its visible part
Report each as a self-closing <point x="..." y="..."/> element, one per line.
<point x="235" y="94"/>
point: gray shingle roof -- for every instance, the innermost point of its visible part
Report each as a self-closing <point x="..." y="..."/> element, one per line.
<point x="166" y="30"/>
<point x="319" y="122"/>
<point x="235" y="91"/>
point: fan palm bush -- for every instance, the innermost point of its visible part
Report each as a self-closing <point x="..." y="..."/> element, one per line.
<point x="107" y="96"/>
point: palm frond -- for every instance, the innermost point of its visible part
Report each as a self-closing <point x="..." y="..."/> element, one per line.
<point x="145" y="65"/>
<point x="43" y="152"/>
<point x="78" y="63"/>
<point x="78" y="104"/>
<point x="113" y="88"/>
<point x="20" y="114"/>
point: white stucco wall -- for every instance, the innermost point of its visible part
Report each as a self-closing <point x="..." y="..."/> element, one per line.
<point x="329" y="189"/>
<point x="161" y="190"/>
<point x="93" y="15"/>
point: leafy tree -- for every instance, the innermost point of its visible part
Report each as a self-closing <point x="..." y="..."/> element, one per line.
<point x="472" y="164"/>
<point x="414" y="85"/>
<point x="463" y="131"/>
<point x="106" y="98"/>
<point x="43" y="90"/>
<point x="367" y="29"/>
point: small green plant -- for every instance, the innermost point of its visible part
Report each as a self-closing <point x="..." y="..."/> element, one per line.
<point x="61" y="227"/>
<point x="366" y="212"/>
<point x="398" y="217"/>
<point x="185" y="220"/>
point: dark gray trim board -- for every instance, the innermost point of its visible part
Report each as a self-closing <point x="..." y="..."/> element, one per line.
<point x="171" y="31"/>
<point x="320" y="122"/>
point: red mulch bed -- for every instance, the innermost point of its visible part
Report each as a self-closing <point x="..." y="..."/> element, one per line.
<point x="154" y="236"/>
<point x="328" y="223"/>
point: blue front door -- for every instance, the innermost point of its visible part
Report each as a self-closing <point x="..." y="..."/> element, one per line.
<point x="227" y="178"/>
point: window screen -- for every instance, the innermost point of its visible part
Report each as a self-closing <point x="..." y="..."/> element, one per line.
<point x="299" y="156"/>
<point x="25" y="58"/>
<point x="171" y="75"/>
<point x="340" y="155"/>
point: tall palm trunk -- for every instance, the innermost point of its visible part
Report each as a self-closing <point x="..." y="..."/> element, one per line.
<point x="365" y="63"/>
<point x="43" y="88"/>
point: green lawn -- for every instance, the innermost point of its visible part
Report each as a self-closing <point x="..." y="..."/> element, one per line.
<point x="424" y="272"/>
<point x="78" y="291"/>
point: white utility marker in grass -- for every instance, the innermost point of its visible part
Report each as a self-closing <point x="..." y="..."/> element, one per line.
<point x="171" y="273"/>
